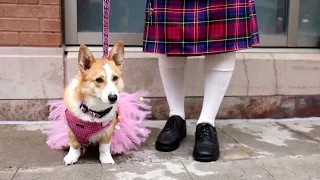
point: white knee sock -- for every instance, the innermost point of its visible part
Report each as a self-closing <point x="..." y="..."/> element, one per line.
<point x="172" y="75"/>
<point x="218" y="71"/>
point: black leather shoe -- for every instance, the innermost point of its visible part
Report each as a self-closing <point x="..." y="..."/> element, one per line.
<point x="171" y="135"/>
<point x="206" y="148"/>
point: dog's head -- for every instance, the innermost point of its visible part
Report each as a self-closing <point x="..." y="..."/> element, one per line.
<point x="101" y="78"/>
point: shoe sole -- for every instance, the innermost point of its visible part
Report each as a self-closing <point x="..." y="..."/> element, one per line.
<point x="206" y="158"/>
<point x="164" y="148"/>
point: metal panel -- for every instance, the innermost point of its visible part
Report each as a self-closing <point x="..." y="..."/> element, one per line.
<point x="272" y="41"/>
<point x="70" y="22"/>
<point x="293" y="22"/>
<point x="95" y="38"/>
<point x="308" y="41"/>
<point x="90" y="38"/>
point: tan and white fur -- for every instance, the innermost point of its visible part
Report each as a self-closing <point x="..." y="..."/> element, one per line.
<point x="96" y="81"/>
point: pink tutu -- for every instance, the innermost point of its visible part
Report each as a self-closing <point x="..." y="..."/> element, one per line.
<point x="130" y="131"/>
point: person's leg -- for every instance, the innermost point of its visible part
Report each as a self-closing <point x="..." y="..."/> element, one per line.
<point x="218" y="70"/>
<point x="172" y="75"/>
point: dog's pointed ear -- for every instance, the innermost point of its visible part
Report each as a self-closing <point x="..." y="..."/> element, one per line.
<point x="85" y="58"/>
<point x="117" y="53"/>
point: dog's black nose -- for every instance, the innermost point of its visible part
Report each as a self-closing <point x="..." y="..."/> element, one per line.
<point x="112" y="98"/>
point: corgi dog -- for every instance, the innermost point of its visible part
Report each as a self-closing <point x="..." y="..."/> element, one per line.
<point x="91" y="102"/>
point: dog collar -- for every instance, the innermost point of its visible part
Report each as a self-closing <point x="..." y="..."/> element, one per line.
<point x="96" y="114"/>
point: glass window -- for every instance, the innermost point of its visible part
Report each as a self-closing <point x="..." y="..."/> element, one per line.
<point x="271" y="16"/>
<point x="125" y="15"/>
<point x="309" y="21"/>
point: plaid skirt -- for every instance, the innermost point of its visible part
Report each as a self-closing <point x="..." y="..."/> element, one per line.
<point x="198" y="27"/>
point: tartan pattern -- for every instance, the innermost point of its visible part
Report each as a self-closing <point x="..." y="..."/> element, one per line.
<point x="197" y="27"/>
<point x="83" y="130"/>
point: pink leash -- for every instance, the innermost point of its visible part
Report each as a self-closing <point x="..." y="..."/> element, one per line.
<point x="105" y="37"/>
<point x="105" y="31"/>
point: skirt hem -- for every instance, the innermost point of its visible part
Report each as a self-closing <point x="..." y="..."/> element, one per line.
<point x="200" y="54"/>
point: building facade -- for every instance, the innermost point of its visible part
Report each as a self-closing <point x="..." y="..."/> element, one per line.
<point x="39" y="40"/>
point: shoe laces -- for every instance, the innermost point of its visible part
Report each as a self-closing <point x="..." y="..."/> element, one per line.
<point x="173" y="124"/>
<point x="206" y="132"/>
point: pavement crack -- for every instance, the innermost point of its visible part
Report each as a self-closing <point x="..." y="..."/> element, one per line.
<point x="268" y="172"/>
<point x="276" y="73"/>
<point x="243" y="171"/>
<point x="101" y="171"/>
<point x="247" y="75"/>
<point x="186" y="170"/>
<point x="228" y="135"/>
<point x="15" y="173"/>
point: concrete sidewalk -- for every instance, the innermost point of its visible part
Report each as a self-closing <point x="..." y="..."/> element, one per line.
<point x="249" y="151"/>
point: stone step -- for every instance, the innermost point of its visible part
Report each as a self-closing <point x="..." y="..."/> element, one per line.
<point x="256" y="74"/>
<point x="264" y="84"/>
<point x="241" y="107"/>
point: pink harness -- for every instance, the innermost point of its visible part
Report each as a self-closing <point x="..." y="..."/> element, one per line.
<point x="83" y="130"/>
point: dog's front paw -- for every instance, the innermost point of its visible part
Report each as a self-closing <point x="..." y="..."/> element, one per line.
<point x="71" y="158"/>
<point x="106" y="159"/>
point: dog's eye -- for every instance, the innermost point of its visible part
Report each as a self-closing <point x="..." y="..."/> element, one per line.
<point x="115" y="78"/>
<point x="99" y="80"/>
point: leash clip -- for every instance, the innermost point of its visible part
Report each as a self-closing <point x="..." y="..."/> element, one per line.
<point x="150" y="11"/>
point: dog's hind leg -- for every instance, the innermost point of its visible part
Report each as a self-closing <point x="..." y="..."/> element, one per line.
<point x="74" y="151"/>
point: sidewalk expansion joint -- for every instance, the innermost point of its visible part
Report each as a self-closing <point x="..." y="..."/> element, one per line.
<point x="15" y="173"/>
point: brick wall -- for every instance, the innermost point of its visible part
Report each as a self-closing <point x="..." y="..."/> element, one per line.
<point x="30" y="23"/>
